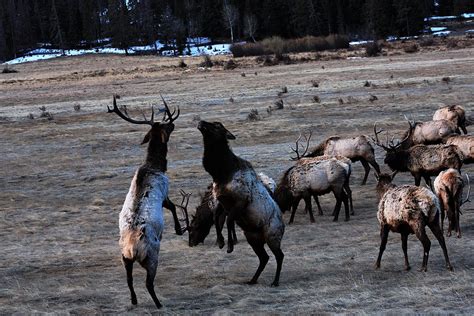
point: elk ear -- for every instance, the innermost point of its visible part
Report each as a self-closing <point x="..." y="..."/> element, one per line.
<point x="229" y="135"/>
<point x="147" y="137"/>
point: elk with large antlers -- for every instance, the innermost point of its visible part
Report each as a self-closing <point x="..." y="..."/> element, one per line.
<point x="420" y="160"/>
<point x="141" y="220"/>
<point x="453" y="113"/>
<point x="355" y="148"/>
<point x="408" y="209"/>
<point x="448" y="187"/>
<point x="243" y="196"/>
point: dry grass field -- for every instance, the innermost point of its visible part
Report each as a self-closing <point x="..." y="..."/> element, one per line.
<point x="63" y="182"/>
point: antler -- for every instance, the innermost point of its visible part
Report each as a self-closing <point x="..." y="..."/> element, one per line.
<point x="124" y="115"/>
<point x="376" y="139"/>
<point x="184" y="209"/>
<point x="468" y="191"/>
<point x="170" y="118"/>
<point x="296" y="150"/>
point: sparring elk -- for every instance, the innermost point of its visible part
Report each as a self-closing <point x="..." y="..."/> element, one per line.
<point x="420" y="160"/>
<point x="427" y="133"/>
<point x="408" y="210"/>
<point x="141" y="220"/>
<point x="448" y="187"/>
<point x="314" y="176"/>
<point x="343" y="159"/>
<point x="465" y="144"/>
<point x="243" y="196"/>
<point x="453" y="113"/>
<point x="355" y="148"/>
<point x="209" y="209"/>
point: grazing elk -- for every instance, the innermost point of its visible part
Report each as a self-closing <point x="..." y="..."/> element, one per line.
<point x="314" y="176"/>
<point x="426" y="133"/>
<point x="338" y="157"/>
<point x="355" y="148"/>
<point x="448" y="187"/>
<point x="408" y="210"/>
<point x="243" y="196"/>
<point x="141" y="219"/>
<point x="453" y="113"/>
<point x="420" y="160"/>
<point x="206" y="212"/>
<point x="465" y="144"/>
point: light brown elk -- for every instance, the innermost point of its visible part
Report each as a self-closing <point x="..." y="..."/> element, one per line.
<point x="453" y="113"/>
<point x="426" y="133"/>
<point x="355" y="148"/>
<point x="141" y="220"/>
<point x="465" y="144"/>
<point x="448" y="187"/>
<point x="420" y="160"/>
<point x="408" y="210"/>
<point x="310" y="177"/>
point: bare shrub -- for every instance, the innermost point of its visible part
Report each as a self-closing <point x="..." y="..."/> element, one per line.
<point x="373" y="98"/>
<point x="373" y="49"/>
<point x="206" y="62"/>
<point x="8" y="70"/>
<point x="452" y="43"/>
<point x="426" y="42"/>
<point x="410" y="49"/>
<point x="283" y="58"/>
<point x="341" y="101"/>
<point x="315" y="83"/>
<point x="231" y="100"/>
<point x="367" y="83"/>
<point x="230" y="64"/>
<point x="243" y="74"/>
<point x="351" y="100"/>
<point x="31" y="116"/>
<point x="316" y="99"/>
<point x="248" y="49"/>
<point x="253" y="115"/>
<point x="182" y="64"/>
<point x="77" y="107"/>
<point x="45" y="113"/>
<point x="446" y="79"/>
<point x="279" y="104"/>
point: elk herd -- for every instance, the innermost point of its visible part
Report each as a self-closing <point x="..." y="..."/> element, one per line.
<point x="239" y="195"/>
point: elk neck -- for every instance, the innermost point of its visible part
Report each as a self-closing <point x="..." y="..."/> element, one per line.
<point x="156" y="155"/>
<point x="398" y="160"/>
<point x="383" y="187"/>
<point x="219" y="160"/>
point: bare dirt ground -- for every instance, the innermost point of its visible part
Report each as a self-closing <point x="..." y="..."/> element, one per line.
<point x="63" y="182"/>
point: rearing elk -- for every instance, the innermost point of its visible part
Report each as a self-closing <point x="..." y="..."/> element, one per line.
<point x="420" y="160"/>
<point x="355" y="148"/>
<point x="141" y="220"/>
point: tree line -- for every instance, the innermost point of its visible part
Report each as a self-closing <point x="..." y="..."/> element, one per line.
<point x="67" y="24"/>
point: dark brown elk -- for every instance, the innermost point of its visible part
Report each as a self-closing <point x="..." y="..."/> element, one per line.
<point x="243" y="196"/>
<point x="408" y="210"/>
<point x="420" y="160"/>
<point x="426" y="133"/>
<point x="355" y="148"/>
<point x="465" y="144"/>
<point x="141" y="220"/>
<point x="453" y="113"/>
<point x="448" y="187"/>
<point x="314" y="176"/>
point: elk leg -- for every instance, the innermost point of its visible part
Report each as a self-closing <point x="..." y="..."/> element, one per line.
<point x="274" y="246"/>
<point x="421" y="234"/>
<point x="404" y="247"/>
<point x="129" y="268"/>
<point x="443" y="214"/>
<point x="316" y="199"/>
<point x="417" y="179"/>
<point x="337" y="208"/>
<point x="219" y="219"/>
<point x="230" y="229"/>
<point x="346" y="205"/>
<point x="170" y="205"/>
<point x="464" y="130"/>
<point x="293" y="211"/>
<point x="256" y="241"/>
<point x="458" y="228"/>
<point x="384" y="230"/>
<point x="349" y="194"/>
<point x="428" y="182"/>
<point x="375" y="165"/>
<point x="234" y="235"/>
<point x="439" y="235"/>
<point x="367" y="170"/>
<point x="309" y="208"/>
<point x="150" y="266"/>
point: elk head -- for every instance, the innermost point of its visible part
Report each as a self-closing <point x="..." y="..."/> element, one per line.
<point x="201" y="222"/>
<point x="395" y="155"/>
<point x="160" y="131"/>
<point x="214" y="132"/>
<point x="296" y="150"/>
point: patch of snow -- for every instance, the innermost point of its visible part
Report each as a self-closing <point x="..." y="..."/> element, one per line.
<point x="359" y="42"/>
<point x="442" y="33"/>
<point x="468" y="15"/>
<point x="446" y="17"/>
<point x="438" y="28"/>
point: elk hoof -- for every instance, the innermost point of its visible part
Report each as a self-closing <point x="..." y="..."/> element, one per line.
<point x="134" y="301"/>
<point x="449" y="267"/>
<point x="346" y="219"/>
<point x="312" y="221"/>
<point x="230" y="249"/>
<point x="220" y="243"/>
<point x="423" y="269"/>
<point x="178" y="231"/>
<point x="334" y="220"/>
<point x="377" y="266"/>
<point x="275" y="284"/>
<point x="252" y="282"/>
<point x="407" y="268"/>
